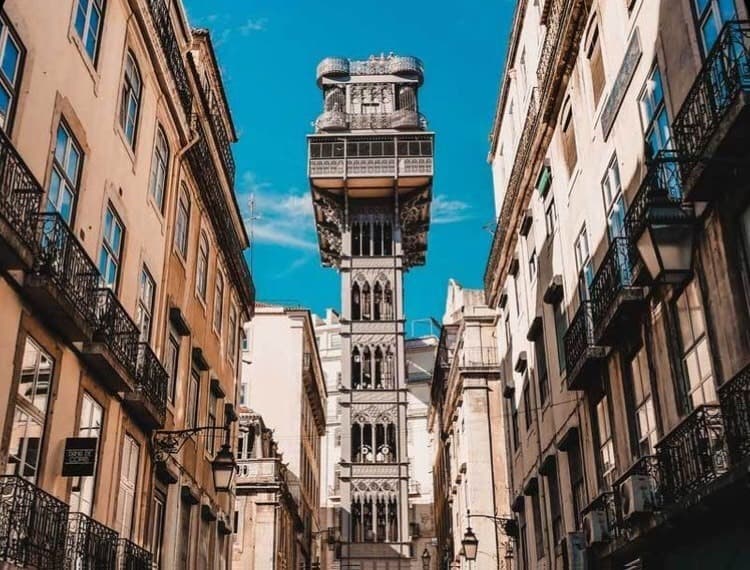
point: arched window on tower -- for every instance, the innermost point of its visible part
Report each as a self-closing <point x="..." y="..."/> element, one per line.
<point x="356" y="302"/>
<point x="378" y="368"/>
<point x="366" y="369"/>
<point x="356" y="369"/>
<point x="378" y="298"/>
<point x="388" y="372"/>
<point x="387" y="238"/>
<point x="366" y="303"/>
<point x="393" y="534"/>
<point x="356" y="239"/>
<point x="377" y="238"/>
<point x="387" y="302"/>
<point x="365" y="238"/>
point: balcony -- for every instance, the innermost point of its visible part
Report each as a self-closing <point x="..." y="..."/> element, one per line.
<point x="33" y="525"/>
<point x="163" y="23"/>
<point x="20" y="199"/>
<point x="714" y="119"/>
<point x="113" y="349"/>
<point x="257" y="471"/>
<point x="223" y="142"/>
<point x="693" y="455"/>
<point x="90" y="544"/>
<point x="614" y="296"/>
<point x="478" y="357"/>
<point x="148" y="400"/>
<point x="63" y="281"/>
<point x="734" y="396"/>
<point x="132" y="557"/>
<point x="583" y="356"/>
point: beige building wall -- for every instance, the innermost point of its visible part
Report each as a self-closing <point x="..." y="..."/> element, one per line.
<point x="111" y="372"/>
<point x="574" y="119"/>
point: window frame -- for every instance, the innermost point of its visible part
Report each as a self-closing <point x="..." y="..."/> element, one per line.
<point x="182" y="238"/>
<point x="83" y="34"/>
<point x="172" y="362"/>
<point x="568" y="131"/>
<point x="11" y="85"/>
<point x="132" y="96"/>
<point x="145" y="306"/>
<point x="106" y="248"/>
<point x="192" y="398"/>
<point x="61" y="171"/>
<point x="201" y="267"/>
<point x="160" y="158"/>
<point x="658" y="108"/>
<point x="218" y="305"/>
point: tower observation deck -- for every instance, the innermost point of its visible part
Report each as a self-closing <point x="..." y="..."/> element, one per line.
<point x="370" y="165"/>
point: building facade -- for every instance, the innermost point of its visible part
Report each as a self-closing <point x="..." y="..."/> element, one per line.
<point x="282" y="380"/>
<point x="469" y="467"/>
<point x="619" y="271"/>
<point x="267" y="520"/>
<point x="370" y="170"/>
<point x="102" y="108"/>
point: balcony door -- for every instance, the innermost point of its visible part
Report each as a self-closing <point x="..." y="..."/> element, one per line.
<point x="90" y="425"/>
<point x="711" y="15"/>
<point x="128" y="484"/>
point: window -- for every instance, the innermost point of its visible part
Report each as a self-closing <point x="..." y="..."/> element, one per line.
<point x="550" y="218"/>
<point x="524" y="541"/>
<point x="182" y="223"/>
<point x="606" y="442"/>
<point x="532" y="265"/>
<point x="522" y="73"/>
<point x="232" y="352"/>
<point x="553" y="487"/>
<point x="185" y="523"/>
<point x="516" y="438"/>
<point x="10" y="73"/>
<point x="575" y="470"/>
<point x="130" y="99"/>
<point x="191" y="406"/>
<point x="696" y="359"/>
<point x="584" y="264"/>
<point x="30" y="415"/>
<point x="541" y="367"/>
<point x="201" y="267"/>
<point x="372" y="235"/>
<point x="526" y="404"/>
<point x="596" y="65"/>
<point x="88" y="24"/>
<point x="711" y="16"/>
<point x="173" y="362"/>
<point x="643" y="418"/>
<point x="159" y="165"/>
<point x="128" y="483"/>
<point x="111" y="250"/>
<point x="561" y="325"/>
<point x="536" y="511"/>
<point x="568" y="137"/>
<point x="213" y="404"/>
<point x="654" y="114"/>
<point x="219" y="303"/>
<point x="158" y="513"/>
<point x="614" y="203"/>
<point x="66" y="172"/>
<point x="145" y="310"/>
<point x="89" y="425"/>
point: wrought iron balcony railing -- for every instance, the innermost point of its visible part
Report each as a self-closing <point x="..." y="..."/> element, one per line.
<point x="33" y="525"/>
<point x="61" y="260"/>
<point x="116" y="329"/>
<point x="90" y="544"/>
<point x="473" y="357"/>
<point x="647" y="466"/>
<point x="724" y="76"/>
<point x="133" y="557"/>
<point x="734" y="396"/>
<point x="606" y="502"/>
<point x="152" y="378"/>
<point x="553" y="20"/>
<point x="168" y="39"/>
<point x="221" y="136"/>
<point x="661" y="186"/>
<point x="580" y="334"/>
<point x="693" y="455"/>
<point x="615" y="273"/>
<point x="20" y="193"/>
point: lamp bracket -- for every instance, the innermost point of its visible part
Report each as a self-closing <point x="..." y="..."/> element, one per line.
<point x="168" y="443"/>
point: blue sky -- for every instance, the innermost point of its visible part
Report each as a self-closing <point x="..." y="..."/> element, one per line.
<point x="268" y="50"/>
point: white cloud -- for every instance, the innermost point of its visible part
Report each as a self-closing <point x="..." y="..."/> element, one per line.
<point x="281" y="218"/>
<point x="253" y="25"/>
<point x="447" y="211"/>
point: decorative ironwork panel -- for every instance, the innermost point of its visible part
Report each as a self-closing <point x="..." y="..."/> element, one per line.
<point x="647" y="466"/>
<point x="32" y="525"/>
<point x="116" y="329"/>
<point x="614" y="274"/>
<point x="133" y="557"/>
<point x="662" y="186"/>
<point x="607" y="503"/>
<point x="734" y="396"/>
<point x="63" y="261"/>
<point x="163" y="24"/>
<point x="415" y="166"/>
<point x="90" y="544"/>
<point x="580" y="334"/>
<point x="152" y="378"/>
<point x="20" y="193"/>
<point x="371" y="167"/>
<point x="554" y="23"/>
<point x="725" y="74"/>
<point x="694" y="454"/>
<point x="221" y="136"/>
<point x="327" y="168"/>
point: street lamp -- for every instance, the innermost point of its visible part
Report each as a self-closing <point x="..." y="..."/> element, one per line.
<point x="426" y="559"/>
<point x="470" y="544"/>
<point x="223" y="467"/>
<point x="666" y="244"/>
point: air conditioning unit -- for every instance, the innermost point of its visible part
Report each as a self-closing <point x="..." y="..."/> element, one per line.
<point x="636" y="496"/>
<point x="595" y="528"/>
<point x="575" y="551"/>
